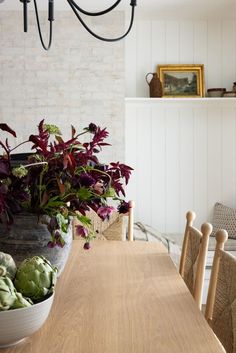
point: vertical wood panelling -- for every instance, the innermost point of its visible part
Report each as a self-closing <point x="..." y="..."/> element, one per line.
<point x="186" y="186"/>
<point x="172" y="42"/>
<point x="158" y="153"/>
<point x="188" y="147"/>
<point x="144" y="164"/>
<point x="200" y="165"/>
<point x="131" y="154"/>
<point x="228" y="54"/>
<point x="214" y="157"/>
<point x="200" y="46"/>
<point x="143" y="54"/>
<point x="208" y="42"/>
<point x="184" y="158"/>
<point x="214" y="54"/>
<point x="186" y="47"/>
<point x="228" y="179"/>
<point x="131" y="63"/>
<point x="158" y="44"/>
<point x="172" y="169"/>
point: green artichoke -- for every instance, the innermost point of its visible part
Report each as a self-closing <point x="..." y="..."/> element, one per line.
<point x="21" y="302"/>
<point x="7" y="265"/>
<point x="36" y="278"/>
<point x="9" y="298"/>
<point x="7" y="293"/>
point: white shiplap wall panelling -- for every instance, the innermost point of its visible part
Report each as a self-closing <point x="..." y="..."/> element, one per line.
<point x="228" y="53"/>
<point x="200" y="164"/>
<point x="186" y="162"/>
<point x="228" y="166"/>
<point x="210" y="42"/>
<point x="158" y="176"/>
<point x="172" y="169"/>
<point x="144" y="163"/>
<point x="214" y="156"/>
<point x="172" y="42"/>
<point x="191" y="146"/>
<point x="143" y="55"/>
<point x="158" y="43"/>
<point x="186" y="42"/>
<point x="131" y="62"/>
<point x="131" y="156"/>
<point x="184" y="156"/>
<point x="200" y="41"/>
<point x="214" y="53"/>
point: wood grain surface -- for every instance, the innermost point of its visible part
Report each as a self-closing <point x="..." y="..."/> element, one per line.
<point x="121" y="297"/>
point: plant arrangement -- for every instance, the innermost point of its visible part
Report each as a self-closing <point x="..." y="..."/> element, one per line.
<point x="61" y="180"/>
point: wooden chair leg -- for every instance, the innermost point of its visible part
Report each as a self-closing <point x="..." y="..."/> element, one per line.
<point x="131" y="221"/>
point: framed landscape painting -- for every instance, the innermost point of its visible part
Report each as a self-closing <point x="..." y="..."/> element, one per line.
<point x="182" y="80"/>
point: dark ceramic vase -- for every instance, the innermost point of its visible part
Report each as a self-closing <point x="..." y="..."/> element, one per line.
<point x="28" y="237"/>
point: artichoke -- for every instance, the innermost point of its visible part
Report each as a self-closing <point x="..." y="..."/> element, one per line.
<point x="36" y="278"/>
<point x="7" y="265"/>
<point x="9" y="298"/>
<point x="21" y="302"/>
<point x="7" y="293"/>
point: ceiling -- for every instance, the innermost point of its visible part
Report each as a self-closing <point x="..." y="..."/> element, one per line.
<point x="162" y="8"/>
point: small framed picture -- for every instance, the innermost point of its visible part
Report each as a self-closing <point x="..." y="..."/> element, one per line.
<point x="182" y="80"/>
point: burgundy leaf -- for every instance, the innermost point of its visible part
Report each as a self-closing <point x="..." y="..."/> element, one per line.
<point x="4" y="169"/>
<point x="73" y="131"/>
<point x="41" y="126"/>
<point x="38" y="143"/>
<point x="5" y="127"/>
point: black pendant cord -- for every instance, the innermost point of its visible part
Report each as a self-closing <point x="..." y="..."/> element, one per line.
<point x="39" y="29"/>
<point x="95" y="13"/>
<point x="25" y="16"/>
<point x="94" y="34"/>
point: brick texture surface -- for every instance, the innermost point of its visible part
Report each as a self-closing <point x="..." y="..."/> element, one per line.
<point x="80" y="80"/>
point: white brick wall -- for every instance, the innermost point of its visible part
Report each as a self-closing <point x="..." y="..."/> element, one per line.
<point x="80" y="80"/>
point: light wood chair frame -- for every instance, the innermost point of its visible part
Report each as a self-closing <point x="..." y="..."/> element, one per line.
<point x="131" y="221"/>
<point x="221" y="238"/>
<point x="206" y="230"/>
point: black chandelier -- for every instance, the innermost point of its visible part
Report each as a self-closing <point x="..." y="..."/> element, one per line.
<point x="77" y="10"/>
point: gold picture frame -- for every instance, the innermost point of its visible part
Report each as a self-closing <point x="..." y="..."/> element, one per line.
<point x="182" y="80"/>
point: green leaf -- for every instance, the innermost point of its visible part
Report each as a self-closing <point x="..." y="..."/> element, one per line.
<point x="63" y="222"/>
<point x="84" y="220"/>
<point x="54" y="202"/>
<point x="109" y="193"/>
<point x="83" y="169"/>
<point x="52" y="129"/>
<point x="84" y="194"/>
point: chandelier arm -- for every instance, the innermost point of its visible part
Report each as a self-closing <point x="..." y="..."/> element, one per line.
<point x="97" y="36"/>
<point x="95" y="13"/>
<point x="39" y="29"/>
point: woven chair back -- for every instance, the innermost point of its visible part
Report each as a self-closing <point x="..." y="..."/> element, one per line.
<point x="224" y="313"/>
<point x="192" y="255"/>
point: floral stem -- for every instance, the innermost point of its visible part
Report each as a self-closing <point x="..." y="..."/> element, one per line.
<point x="20" y="144"/>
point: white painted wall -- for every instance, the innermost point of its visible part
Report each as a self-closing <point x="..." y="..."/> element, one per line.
<point x="184" y="156"/>
<point x="183" y="151"/>
<point x="209" y="42"/>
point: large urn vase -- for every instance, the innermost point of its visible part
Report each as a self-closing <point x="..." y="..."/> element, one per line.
<point x="28" y="237"/>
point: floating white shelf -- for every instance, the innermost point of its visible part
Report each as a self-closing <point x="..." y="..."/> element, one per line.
<point x="204" y="100"/>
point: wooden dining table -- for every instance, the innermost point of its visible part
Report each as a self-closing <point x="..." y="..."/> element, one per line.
<point x="121" y="297"/>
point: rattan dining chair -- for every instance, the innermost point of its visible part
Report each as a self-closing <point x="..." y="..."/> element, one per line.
<point x="221" y="299"/>
<point x="193" y="256"/>
<point x="116" y="228"/>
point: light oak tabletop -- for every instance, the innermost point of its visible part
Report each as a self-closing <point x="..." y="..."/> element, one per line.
<point x="121" y="297"/>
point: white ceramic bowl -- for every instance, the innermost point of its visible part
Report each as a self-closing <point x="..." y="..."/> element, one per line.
<point x="18" y="324"/>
